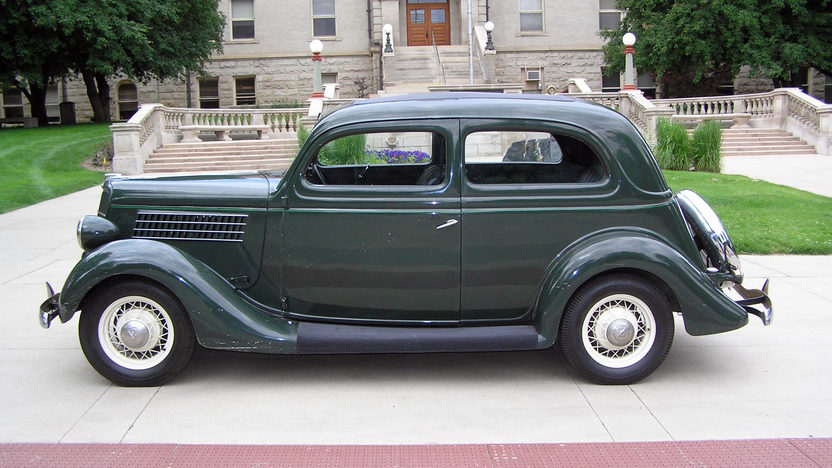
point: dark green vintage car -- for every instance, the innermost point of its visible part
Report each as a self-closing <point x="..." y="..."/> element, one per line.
<point x="438" y="223"/>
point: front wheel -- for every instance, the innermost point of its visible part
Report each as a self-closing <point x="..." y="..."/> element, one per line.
<point x="617" y="329"/>
<point x="136" y="334"/>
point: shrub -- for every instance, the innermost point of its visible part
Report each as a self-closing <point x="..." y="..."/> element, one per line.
<point x="303" y="134"/>
<point x="706" y="147"/>
<point x="673" y="146"/>
<point x="346" y="150"/>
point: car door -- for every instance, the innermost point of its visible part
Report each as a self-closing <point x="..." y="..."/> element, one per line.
<point x="371" y="231"/>
<point x="529" y="190"/>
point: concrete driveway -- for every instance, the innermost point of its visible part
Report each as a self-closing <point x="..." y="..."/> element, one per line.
<point x="752" y="383"/>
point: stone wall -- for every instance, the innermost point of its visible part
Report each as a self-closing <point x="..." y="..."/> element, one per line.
<point x="558" y="67"/>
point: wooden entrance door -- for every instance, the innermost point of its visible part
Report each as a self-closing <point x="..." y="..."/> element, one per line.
<point x="426" y="19"/>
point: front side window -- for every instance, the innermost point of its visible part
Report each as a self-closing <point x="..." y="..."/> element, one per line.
<point x="209" y="93"/>
<point x="527" y="157"/>
<point x="323" y="18"/>
<point x="380" y="158"/>
<point x="531" y="15"/>
<point x="242" y="19"/>
<point x="244" y="92"/>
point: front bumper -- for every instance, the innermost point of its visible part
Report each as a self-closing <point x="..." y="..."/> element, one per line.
<point x="752" y="297"/>
<point x="50" y="308"/>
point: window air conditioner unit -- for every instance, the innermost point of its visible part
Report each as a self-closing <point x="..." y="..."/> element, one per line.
<point x="532" y="75"/>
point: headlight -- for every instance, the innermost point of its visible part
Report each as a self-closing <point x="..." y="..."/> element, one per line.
<point x="94" y="231"/>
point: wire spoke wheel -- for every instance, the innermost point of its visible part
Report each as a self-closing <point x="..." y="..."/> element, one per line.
<point x="136" y="332"/>
<point x="617" y="329"/>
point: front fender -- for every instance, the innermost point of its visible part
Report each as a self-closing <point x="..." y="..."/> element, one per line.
<point x="705" y="309"/>
<point x="222" y="319"/>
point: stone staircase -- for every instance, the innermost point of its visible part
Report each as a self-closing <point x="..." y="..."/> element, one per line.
<point x="416" y="69"/>
<point x="236" y="155"/>
<point x="762" y="142"/>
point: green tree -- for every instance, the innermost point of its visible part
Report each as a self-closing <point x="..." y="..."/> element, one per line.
<point x="31" y="56"/>
<point x="143" y="39"/>
<point x="705" y="40"/>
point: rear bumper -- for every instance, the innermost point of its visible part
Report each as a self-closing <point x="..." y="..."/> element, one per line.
<point x="756" y="297"/>
<point x="50" y="308"/>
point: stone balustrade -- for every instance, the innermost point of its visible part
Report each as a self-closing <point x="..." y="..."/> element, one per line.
<point x="154" y="125"/>
<point x="788" y="109"/>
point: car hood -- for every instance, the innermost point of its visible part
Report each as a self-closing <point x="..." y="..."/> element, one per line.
<point x="246" y="190"/>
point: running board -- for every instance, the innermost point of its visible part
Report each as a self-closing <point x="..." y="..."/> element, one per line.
<point x="325" y="338"/>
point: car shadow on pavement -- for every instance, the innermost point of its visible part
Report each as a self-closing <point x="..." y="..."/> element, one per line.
<point x="210" y="364"/>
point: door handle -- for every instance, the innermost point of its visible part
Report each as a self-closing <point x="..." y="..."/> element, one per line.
<point x="447" y="223"/>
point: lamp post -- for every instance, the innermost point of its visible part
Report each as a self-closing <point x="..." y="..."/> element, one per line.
<point x="629" y="76"/>
<point x="387" y="29"/>
<point x="316" y="46"/>
<point x="489" y="26"/>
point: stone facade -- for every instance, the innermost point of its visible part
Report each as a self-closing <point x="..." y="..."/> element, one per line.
<point x="563" y="44"/>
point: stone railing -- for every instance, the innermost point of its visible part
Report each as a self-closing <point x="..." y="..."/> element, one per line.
<point x="154" y="125"/>
<point x="788" y="109"/>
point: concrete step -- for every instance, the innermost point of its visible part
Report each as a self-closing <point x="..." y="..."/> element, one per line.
<point x="219" y="158"/>
<point x="769" y="152"/>
<point x="230" y="150"/>
<point x="214" y="167"/>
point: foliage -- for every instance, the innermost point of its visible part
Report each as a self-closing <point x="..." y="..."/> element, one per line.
<point x="286" y="104"/>
<point x="302" y="134"/>
<point x="763" y="218"/>
<point x="673" y="148"/>
<point x="700" y="39"/>
<point x="43" y="163"/>
<point x="103" y="154"/>
<point x="387" y="156"/>
<point x="706" y="147"/>
<point x="42" y="40"/>
<point x="345" y="150"/>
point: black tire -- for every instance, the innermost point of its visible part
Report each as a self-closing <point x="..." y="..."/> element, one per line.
<point x="621" y="305"/>
<point x="136" y="310"/>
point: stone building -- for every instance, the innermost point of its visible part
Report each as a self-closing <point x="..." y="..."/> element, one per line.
<point x="539" y="45"/>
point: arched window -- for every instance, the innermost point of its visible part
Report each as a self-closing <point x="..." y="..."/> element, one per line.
<point x="128" y="100"/>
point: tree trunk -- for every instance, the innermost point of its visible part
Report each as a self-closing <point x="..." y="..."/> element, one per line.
<point x="98" y="92"/>
<point x="36" y="95"/>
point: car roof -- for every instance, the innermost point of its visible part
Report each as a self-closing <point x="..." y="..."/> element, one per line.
<point x="624" y="142"/>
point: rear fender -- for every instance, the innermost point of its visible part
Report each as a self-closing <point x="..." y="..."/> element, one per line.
<point x="705" y="309"/>
<point x="222" y="319"/>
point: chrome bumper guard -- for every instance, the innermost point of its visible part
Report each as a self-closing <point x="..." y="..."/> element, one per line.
<point x="751" y="297"/>
<point x="50" y="307"/>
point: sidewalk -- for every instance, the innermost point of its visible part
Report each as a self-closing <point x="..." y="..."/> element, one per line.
<point x="809" y="173"/>
<point x="753" y="383"/>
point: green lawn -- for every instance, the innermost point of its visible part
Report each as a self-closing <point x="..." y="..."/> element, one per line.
<point x="42" y="163"/>
<point x="763" y="218"/>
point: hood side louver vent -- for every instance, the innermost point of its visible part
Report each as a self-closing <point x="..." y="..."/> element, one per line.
<point x="169" y="225"/>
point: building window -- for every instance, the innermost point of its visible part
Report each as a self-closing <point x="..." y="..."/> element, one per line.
<point x="242" y="19"/>
<point x="244" y="91"/>
<point x="609" y="17"/>
<point x="531" y="15"/>
<point x="53" y="111"/>
<point x="610" y="81"/>
<point x="12" y="103"/>
<point x="128" y="100"/>
<point x="323" y="18"/>
<point x="647" y="85"/>
<point x="209" y="93"/>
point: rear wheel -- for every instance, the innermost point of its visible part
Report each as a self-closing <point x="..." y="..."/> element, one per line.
<point x="136" y="334"/>
<point x="617" y="329"/>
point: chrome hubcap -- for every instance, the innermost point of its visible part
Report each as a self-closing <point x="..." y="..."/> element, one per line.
<point x="621" y="332"/>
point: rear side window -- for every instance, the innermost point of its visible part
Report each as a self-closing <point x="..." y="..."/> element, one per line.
<point x="523" y="157"/>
